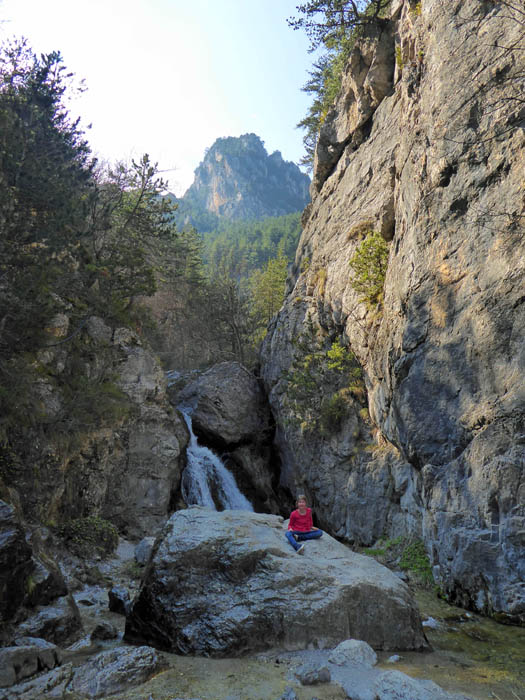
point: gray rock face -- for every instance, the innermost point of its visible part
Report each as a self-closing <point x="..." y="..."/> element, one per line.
<point x="27" y="658"/>
<point x="125" y="469"/>
<point x="239" y="180"/>
<point x="229" y="583"/>
<point x="52" y="684"/>
<point x="57" y="623"/>
<point x="367" y="81"/>
<point x="119" y="600"/>
<point x="16" y="563"/>
<point x="228" y="405"/>
<point x="353" y="651"/>
<point x="438" y="171"/>
<point x="115" y="670"/>
<point x="143" y="550"/>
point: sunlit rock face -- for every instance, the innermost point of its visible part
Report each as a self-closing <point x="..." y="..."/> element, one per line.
<point x="439" y="172"/>
<point x="226" y="583"/>
<point x="237" y="179"/>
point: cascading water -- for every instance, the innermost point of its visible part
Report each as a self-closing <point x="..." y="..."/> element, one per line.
<point x="206" y="481"/>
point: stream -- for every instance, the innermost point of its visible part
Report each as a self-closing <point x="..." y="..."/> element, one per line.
<point x="470" y="654"/>
<point x="206" y="481"/>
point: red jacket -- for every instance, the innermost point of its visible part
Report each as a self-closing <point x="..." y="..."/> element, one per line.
<point x="301" y="523"/>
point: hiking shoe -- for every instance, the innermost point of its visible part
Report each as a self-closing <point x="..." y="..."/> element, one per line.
<point x="295" y="537"/>
<point x="301" y="549"/>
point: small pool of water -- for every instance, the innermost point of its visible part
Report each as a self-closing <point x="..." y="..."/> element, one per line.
<point x="471" y="654"/>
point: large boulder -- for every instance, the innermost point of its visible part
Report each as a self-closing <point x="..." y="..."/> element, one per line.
<point x="58" y="623"/>
<point x="229" y="583"/>
<point x="228" y="405"/>
<point x="116" y="670"/>
<point x="27" y="657"/>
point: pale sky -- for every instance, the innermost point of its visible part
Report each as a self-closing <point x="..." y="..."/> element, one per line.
<point x="168" y="77"/>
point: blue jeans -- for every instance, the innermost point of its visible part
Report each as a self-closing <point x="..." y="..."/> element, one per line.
<point x="301" y="536"/>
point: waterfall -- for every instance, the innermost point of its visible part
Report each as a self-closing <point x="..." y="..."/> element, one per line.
<point x="206" y="481"/>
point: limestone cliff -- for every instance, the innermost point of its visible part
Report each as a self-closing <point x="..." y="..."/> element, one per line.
<point x="424" y="144"/>
<point x="237" y="179"/>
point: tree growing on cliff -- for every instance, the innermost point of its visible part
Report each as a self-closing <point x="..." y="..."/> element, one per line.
<point x="321" y="382"/>
<point x="332" y="26"/>
<point x="327" y="21"/>
<point x="368" y="265"/>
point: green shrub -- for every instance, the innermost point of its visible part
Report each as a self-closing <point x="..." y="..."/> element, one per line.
<point x="88" y="536"/>
<point x="333" y="409"/>
<point x="399" y="58"/>
<point x="317" y="393"/>
<point x="415" y="559"/>
<point x="369" y="265"/>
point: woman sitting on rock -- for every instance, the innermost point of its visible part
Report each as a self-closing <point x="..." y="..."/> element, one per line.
<point x="300" y="526"/>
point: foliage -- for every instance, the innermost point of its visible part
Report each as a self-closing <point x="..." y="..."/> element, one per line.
<point x="267" y="293"/>
<point x="410" y="555"/>
<point x="249" y="245"/>
<point x="317" y="383"/>
<point x="369" y="265"/>
<point x="399" y="58"/>
<point x="415" y="559"/>
<point x="228" y="304"/>
<point x="333" y="26"/>
<point x="416" y="9"/>
<point x="45" y="182"/>
<point x="385" y="545"/>
<point x="77" y="239"/>
<point x="88" y="536"/>
<point x="325" y="21"/>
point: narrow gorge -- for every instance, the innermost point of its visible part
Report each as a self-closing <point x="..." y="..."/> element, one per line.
<point x="159" y="439"/>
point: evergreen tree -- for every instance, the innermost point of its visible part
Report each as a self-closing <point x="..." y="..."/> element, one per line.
<point x="267" y="289"/>
<point x="332" y="26"/>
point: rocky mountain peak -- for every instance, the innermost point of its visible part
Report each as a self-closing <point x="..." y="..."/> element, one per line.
<point x="237" y="179"/>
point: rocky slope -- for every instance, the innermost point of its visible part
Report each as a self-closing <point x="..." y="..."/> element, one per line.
<point x="237" y="179"/>
<point x="110" y="444"/>
<point x="424" y="144"/>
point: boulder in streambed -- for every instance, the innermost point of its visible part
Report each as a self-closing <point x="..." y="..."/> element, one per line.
<point x="229" y="583"/>
<point x="228" y="405"/>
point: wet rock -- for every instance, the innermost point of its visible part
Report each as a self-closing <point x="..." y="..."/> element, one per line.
<point x="57" y="623"/>
<point x="393" y="659"/>
<point x="52" y="684"/>
<point x="47" y="581"/>
<point x="223" y="583"/>
<point x="116" y="670"/>
<point x="394" y="685"/>
<point x="119" y="600"/>
<point x="228" y="405"/>
<point x="313" y="674"/>
<point x="16" y="563"/>
<point x="143" y="550"/>
<point x="28" y="657"/>
<point x="353" y="651"/>
<point x="105" y="630"/>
